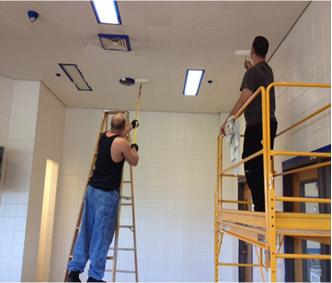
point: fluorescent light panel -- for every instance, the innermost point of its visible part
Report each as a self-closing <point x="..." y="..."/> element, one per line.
<point x="106" y="11"/>
<point x="75" y="76"/>
<point x="193" y="82"/>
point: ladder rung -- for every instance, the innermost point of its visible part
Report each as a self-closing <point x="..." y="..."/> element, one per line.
<point x="125" y="271"/>
<point x="110" y="257"/>
<point x="126" y="197"/>
<point x="126" y="226"/>
<point x="126" y="182"/>
<point x="121" y="271"/>
<point x="126" y="204"/>
<point x="123" y="249"/>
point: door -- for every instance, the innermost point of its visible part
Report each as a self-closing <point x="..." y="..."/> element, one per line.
<point x="307" y="184"/>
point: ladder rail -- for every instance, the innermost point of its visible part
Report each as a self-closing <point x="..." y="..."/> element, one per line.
<point x="132" y="227"/>
<point x="134" y="222"/>
<point x="103" y="125"/>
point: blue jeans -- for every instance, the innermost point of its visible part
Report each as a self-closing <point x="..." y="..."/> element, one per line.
<point x="96" y="232"/>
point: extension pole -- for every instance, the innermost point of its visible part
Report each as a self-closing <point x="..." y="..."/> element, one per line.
<point x="138" y="110"/>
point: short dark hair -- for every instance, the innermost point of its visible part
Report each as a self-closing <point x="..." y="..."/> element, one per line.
<point x="260" y="46"/>
<point x="118" y="123"/>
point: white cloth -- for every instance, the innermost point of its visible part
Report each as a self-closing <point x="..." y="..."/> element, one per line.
<point x="232" y="131"/>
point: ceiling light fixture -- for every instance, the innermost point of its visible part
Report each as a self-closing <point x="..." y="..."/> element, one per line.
<point x="106" y="11"/>
<point x="192" y="82"/>
<point x="75" y="76"/>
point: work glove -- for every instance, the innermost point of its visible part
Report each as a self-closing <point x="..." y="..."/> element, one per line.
<point x="134" y="145"/>
<point x="135" y="123"/>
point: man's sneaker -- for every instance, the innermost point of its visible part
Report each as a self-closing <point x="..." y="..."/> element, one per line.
<point x="91" y="279"/>
<point x="73" y="276"/>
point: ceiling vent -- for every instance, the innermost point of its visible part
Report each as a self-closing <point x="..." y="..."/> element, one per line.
<point x="117" y="42"/>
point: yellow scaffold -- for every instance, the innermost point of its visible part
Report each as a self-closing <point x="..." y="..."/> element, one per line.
<point x="266" y="230"/>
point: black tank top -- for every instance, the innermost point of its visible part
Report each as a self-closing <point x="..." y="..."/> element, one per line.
<point x="107" y="174"/>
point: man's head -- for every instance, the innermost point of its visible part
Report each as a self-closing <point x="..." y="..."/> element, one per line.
<point x="259" y="48"/>
<point x="118" y="123"/>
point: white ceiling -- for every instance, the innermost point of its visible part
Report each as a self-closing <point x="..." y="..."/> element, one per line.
<point x="166" y="38"/>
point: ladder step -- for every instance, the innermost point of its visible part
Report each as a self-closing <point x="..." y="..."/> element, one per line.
<point x="126" y="204"/>
<point x="121" y="271"/>
<point x="126" y="226"/>
<point x="110" y="257"/>
<point x="126" y="271"/>
<point x="126" y="182"/>
<point x="123" y="249"/>
<point x="126" y="197"/>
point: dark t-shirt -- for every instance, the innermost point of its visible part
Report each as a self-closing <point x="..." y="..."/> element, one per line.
<point x="259" y="75"/>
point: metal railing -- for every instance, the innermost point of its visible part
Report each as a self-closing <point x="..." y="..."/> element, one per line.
<point x="269" y="180"/>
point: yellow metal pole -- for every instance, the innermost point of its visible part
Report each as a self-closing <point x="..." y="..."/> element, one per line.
<point x="300" y="84"/>
<point x="305" y="256"/>
<point x="239" y="264"/>
<point x="260" y="263"/>
<point x="252" y="156"/>
<point x="320" y="110"/>
<point x="301" y="153"/>
<point x="217" y="231"/>
<point x="271" y="189"/>
<point x="138" y="112"/>
<point x="298" y="199"/>
<point x="305" y="168"/>
<point x="237" y="201"/>
<point x="245" y="105"/>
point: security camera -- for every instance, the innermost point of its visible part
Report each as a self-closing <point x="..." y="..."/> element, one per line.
<point x="32" y="15"/>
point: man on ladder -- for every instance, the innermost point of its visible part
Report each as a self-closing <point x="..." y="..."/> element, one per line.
<point x="102" y="200"/>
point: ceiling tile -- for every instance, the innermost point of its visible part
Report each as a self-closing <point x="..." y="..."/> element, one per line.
<point x="157" y="13"/>
<point x="166" y="37"/>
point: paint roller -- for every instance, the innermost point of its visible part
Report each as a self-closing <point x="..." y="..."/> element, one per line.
<point x="127" y="81"/>
<point x="244" y="53"/>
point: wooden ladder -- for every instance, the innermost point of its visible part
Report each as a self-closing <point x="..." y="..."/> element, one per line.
<point x="125" y="201"/>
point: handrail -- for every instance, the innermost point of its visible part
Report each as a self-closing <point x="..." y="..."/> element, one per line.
<point x="245" y="105"/>
<point x="301" y="153"/>
<point x="305" y="168"/>
<point x="237" y="164"/>
<point x="269" y="178"/>
<point x="304" y="199"/>
<point x="320" y="110"/>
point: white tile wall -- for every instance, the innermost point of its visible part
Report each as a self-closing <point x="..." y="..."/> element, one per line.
<point x="6" y="95"/>
<point x="47" y="145"/>
<point x="14" y="201"/>
<point x="175" y="183"/>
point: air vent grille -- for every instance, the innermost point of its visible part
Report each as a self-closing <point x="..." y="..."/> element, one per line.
<point x="116" y="42"/>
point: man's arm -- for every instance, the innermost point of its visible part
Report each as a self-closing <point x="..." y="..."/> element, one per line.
<point x="245" y="95"/>
<point x="129" y="153"/>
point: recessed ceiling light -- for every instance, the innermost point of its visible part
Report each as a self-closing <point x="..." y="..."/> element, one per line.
<point x="75" y="76"/>
<point x="107" y="12"/>
<point x="192" y="82"/>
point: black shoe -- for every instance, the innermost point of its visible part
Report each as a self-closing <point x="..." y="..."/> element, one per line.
<point x="91" y="279"/>
<point x="73" y="276"/>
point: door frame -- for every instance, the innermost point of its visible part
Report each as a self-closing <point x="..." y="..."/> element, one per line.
<point x="324" y="174"/>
